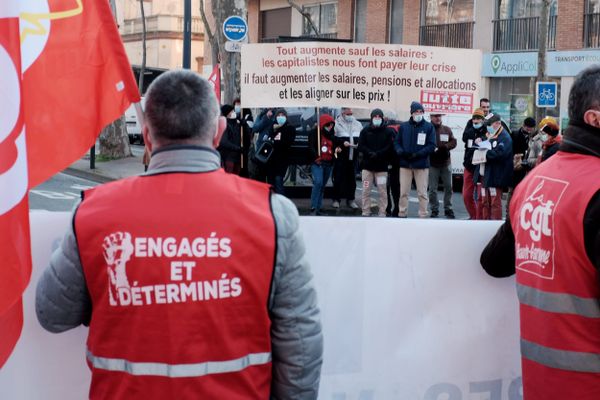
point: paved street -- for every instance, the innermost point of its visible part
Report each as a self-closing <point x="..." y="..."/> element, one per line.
<point x="59" y="193"/>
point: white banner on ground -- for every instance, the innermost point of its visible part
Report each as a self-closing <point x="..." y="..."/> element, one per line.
<point x="407" y="314"/>
<point x="360" y="75"/>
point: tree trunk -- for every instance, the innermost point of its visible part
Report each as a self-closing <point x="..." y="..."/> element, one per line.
<point x="114" y="141"/>
<point x="542" y="46"/>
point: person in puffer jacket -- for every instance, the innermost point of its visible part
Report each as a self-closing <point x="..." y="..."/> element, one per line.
<point x="322" y="154"/>
<point x="374" y="145"/>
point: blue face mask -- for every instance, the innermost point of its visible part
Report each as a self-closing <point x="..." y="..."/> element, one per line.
<point x="281" y="119"/>
<point x="377" y="121"/>
<point x="491" y="130"/>
<point x="417" y="118"/>
<point x="477" y="126"/>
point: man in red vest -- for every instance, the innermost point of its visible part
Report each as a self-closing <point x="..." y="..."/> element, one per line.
<point x="552" y="241"/>
<point x="201" y="291"/>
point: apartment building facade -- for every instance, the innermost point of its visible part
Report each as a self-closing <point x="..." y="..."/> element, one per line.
<point x="164" y="33"/>
<point x="506" y="32"/>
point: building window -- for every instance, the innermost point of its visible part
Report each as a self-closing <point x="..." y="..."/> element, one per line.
<point x="360" y="21"/>
<point x="324" y="16"/>
<point x="591" y="31"/>
<point x="448" y="23"/>
<point x="517" y="25"/>
<point x="396" y="20"/>
<point x="275" y="23"/>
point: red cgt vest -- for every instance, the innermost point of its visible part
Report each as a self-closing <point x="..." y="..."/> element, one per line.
<point x="556" y="282"/>
<point x="179" y="268"/>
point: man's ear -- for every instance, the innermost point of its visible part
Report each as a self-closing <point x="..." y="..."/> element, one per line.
<point x="146" y="134"/>
<point x="221" y="125"/>
<point x="592" y="118"/>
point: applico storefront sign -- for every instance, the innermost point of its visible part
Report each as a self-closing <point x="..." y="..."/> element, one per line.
<point x="508" y="65"/>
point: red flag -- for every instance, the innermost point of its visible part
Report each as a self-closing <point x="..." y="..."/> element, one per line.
<point x="70" y="78"/>
<point x="215" y="80"/>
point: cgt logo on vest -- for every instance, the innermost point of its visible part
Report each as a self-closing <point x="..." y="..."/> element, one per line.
<point x="180" y="256"/>
<point x="535" y="241"/>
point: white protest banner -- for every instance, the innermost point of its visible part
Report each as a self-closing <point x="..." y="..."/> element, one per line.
<point x="360" y="75"/>
<point x="407" y="313"/>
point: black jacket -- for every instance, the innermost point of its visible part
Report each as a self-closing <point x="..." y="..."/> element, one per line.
<point x="469" y="136"/>
<point x="498" y="257"/>
<point x="375" y="145"/>
<point x="230" y="146"/>
<point x="283" y="137"/>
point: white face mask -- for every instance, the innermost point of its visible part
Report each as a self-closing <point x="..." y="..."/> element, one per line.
<point x="348" y="118"/>
<point x="418" y="118"/>
<point x="544" y="137"/>
<point x="377" y="121"/>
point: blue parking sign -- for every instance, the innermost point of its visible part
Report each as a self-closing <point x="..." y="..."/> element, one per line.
<point x="235" y="28"/>
<point x="546" y="94"/>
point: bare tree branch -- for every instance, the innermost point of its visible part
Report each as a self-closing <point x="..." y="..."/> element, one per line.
<point x="207" y="29"/>
<point x="306" y="16"/>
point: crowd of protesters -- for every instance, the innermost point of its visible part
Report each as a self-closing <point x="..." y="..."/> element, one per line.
<point x="390" y="156"/>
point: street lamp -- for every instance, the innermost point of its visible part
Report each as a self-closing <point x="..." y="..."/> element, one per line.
<point x="187" y="33"/>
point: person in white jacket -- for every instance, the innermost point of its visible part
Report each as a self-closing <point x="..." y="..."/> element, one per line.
<point x="347" y="132"/>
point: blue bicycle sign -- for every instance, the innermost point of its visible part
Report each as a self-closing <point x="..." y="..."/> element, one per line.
<point x="546" y="94"/>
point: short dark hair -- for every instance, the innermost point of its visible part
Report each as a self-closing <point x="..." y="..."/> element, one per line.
<point x="483" y="100"/>
<point x="585" y="93"/>
<point x="181" y="105"/>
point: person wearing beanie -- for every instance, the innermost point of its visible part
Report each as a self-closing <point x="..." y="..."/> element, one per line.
<point x="495" y="171"/>
<point x="321" y="151"/>
<point x="520" y="138"/>
<point x="230" y="146"/>
<point x="474" y="130"/>
<point x="550" y="137"/>
<point x="282" y="135"/>
<point x="414" y="144"/>
<point x="374" y="145"/>
<point x="440" y="167"/>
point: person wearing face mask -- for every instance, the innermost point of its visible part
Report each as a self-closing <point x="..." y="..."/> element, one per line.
<point x="496" y="172"/>
<point x="374" y="144"/>
<point x="322" y="154"/>
<point x="282" y="135"/>
<point x="474" y="130"/>
<point x="414" y="144"/>
<point x="347" y="131"/>
<point x="550" y="138"/>
<point x="440" y="167"/>
<point x="520" y="139"/>
<point x="552" y="243"/>
<point x="230" y="146"/>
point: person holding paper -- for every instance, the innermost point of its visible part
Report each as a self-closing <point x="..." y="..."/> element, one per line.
<point x="347" y="131"/>
<point x="440" y="167"/>
<point x="375" y="145"/>
<point x="495" y="168"/>
<point x="414" y="143"/>
<point x="474" y="130"/>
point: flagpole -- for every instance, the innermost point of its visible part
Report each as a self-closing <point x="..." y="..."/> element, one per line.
<point x="187" y="33"/>
<point x="318" y="132"/>
<point x="242" y="136"/>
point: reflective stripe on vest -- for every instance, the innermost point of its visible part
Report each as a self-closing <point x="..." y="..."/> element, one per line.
<point x="558" y="302"/>
<point x="178" y="370"/>
<point x="561" y="359"/>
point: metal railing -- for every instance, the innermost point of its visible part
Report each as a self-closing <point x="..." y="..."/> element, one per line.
<point x="160" y="23"/>
<point x="279" y="39"/>
<point x="458" y="35"/>
<point x="591" y="30"/>
<point x="522" y="34"/>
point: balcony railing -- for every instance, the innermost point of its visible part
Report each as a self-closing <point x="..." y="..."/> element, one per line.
<point x="447" y="35"/>
<point x="159" y="23"/>
<point x="591" y="30"/>
<point x="522" y="34"/>
<point x="303" y="38"/>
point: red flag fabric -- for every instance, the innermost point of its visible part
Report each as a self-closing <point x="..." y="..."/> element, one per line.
<point x="215" y="80"/>
<point x="65" y="76"/>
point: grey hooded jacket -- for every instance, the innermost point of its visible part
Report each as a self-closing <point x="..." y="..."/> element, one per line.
<point x="63" y="302"/>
